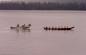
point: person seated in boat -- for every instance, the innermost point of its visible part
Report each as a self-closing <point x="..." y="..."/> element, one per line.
<point x="52" y="28"/>
<point x="23" y="26"/>
<point x="17" y="25"/>
<point x="29" y="25"/>
<point x="56" y="28"/>
<point x="45" y="28"/>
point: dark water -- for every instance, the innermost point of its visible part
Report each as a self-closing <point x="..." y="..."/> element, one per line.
<point x="38" y="41"/>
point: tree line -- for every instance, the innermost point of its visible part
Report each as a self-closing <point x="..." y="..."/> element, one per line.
<point x="42" y="6"/>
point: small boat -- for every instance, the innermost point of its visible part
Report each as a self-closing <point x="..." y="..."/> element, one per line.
<point x="54" y="28"/>
<point x="17" y="27"/>
<point x="23" y="27"/>
<point x="66" y="28"/>
<point x="13" y="27"/>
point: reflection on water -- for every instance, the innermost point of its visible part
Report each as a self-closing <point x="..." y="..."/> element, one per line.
<point x="37" y="41"/>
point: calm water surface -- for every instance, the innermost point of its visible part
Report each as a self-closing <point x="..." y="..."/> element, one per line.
<point x="38" y="41"/>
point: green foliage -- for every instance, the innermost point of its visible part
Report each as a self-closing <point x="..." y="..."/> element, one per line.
<point x="42" y="6"/>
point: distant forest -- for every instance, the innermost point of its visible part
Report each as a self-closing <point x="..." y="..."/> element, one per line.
<point x="42" y="6"/>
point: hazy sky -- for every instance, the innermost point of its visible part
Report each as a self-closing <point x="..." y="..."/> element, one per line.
<point x="48" y="0"/>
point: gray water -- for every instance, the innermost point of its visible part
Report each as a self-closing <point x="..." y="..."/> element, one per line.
<point x="39" y="41"/>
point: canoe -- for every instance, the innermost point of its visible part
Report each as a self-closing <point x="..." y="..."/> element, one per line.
<point x="49" y="28"/>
